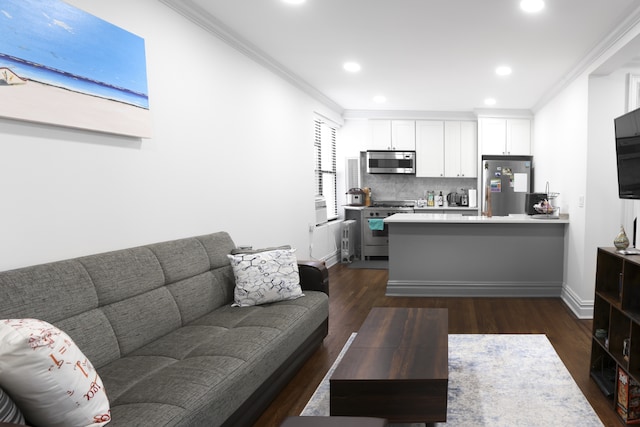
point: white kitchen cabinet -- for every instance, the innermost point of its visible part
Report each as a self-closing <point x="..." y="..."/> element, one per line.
<point x="429" y="148"/>
<point x="460" y="149"/>
<point x="399" y="135"/>
<point x="504" y="136"/>
<point x="403" y="135"/>
<point x="519" y="137"/>
<point x="446" y="149"/>
<point x="380" y="131"/>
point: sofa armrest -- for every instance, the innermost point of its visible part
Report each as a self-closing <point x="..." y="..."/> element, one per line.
<point x="314" y="276"/>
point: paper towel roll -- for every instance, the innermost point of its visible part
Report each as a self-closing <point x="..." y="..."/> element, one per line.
<point x="473" y="198"/>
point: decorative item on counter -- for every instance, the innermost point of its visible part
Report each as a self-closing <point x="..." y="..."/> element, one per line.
<point x="430" y="199"/>
<point x="440" y="199"/>
<point x="621" y="242"/>
<point x="421" y="203"/>
<point x="544" y="207"/>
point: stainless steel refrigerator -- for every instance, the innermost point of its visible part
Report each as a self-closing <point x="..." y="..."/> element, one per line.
<point x="506" y="180"/>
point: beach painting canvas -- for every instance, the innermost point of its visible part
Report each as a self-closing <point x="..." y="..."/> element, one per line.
<point x="60" y="65"/>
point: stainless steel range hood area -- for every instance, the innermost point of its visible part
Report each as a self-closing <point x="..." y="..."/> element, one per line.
<point x="391" y="162"/>
<point x="400" y="186"/>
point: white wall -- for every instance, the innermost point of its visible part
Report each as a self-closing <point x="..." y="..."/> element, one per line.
<point x="575" y="150"/>
<point x="232" y="150"/>
<point x="560" y="153"/>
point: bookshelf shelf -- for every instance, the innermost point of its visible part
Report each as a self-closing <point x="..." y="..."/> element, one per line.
<point x="615" y="348"/>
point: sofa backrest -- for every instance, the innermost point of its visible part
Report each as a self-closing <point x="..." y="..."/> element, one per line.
<point x="114" y="303"/>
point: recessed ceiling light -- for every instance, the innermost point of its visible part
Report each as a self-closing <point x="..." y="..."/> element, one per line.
<point x="294" y="1"/>
<point x="532" y="6"/>
<point x="379" y="99"/>
<point x="503" y="70"/>
<point x="490" y="101"/>
<point x="352" y="67"/>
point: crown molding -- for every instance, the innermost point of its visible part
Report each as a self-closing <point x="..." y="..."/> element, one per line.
<point x="408" y="115"/>
<point x="623" y="30"/>
<point x="210" y="23"/>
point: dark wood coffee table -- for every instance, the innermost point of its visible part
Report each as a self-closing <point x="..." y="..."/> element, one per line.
<point x="396" y="368"/>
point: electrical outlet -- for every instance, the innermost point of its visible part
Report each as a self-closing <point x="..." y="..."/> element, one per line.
<point x="581" y="202"/>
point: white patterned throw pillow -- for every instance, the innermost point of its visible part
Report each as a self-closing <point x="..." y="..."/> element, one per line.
<point x="264" y="277"/>
<point x="48" y="377"/>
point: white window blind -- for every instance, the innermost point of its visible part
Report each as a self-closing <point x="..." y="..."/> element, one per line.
<point x="325" y="171"/>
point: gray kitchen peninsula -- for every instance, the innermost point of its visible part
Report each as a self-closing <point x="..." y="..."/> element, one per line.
<point x="455" y="255"/>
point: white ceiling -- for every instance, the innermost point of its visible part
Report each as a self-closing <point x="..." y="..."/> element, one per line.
<point x="423" y="55"/>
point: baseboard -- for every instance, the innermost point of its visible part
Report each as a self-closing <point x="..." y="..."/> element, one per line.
<point x="472" y="289"/>
<point x="582" y="309"/>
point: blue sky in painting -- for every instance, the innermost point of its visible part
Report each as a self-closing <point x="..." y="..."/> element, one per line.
<point x="55" y="43"/>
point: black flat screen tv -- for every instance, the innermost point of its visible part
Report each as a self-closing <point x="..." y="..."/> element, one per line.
<point x="627" y="128"/>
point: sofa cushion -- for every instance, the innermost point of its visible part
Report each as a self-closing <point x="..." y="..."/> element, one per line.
<point x="123" y="274"/>
<point x="142" y="319"/>
<point x="199" y="374"/>
<point x="63" y="389"/>
<point x="181" y="258"/>
<point x="50" y="292"/>
<point x="264" y="277"/>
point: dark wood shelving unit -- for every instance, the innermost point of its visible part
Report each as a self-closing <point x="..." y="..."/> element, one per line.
<point x="616" y="312"/>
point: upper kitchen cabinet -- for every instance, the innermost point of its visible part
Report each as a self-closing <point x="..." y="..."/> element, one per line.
<point x="429" y="148"/>
<point x="504" y="136"/>
<point x="446" y="149"/>
<point x="399" y="135"/>
<point x="460" y="149"/>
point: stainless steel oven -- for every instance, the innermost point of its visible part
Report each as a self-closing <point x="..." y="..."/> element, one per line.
<point x="375" y="233"/>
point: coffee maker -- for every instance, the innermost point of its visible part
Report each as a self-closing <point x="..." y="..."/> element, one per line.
<point x="464" y="197"/>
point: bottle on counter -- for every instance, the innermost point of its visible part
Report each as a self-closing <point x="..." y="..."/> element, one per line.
<point x="430" y="198"/>
<point x="367" y="196"/>
<point x="440" y="199"/>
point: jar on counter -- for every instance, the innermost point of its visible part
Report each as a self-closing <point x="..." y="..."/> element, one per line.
<point x="430" y="199"/>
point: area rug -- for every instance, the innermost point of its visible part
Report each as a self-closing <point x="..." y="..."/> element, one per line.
<point x="375" y="264"/>
<point x="499" y="380"/>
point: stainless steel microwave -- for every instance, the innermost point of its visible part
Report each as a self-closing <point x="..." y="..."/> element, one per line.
<point x="403" y="162"/>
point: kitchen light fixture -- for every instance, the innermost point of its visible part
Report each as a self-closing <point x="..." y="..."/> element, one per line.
<point x="294" y="1"/>
<point x="379" y="99"/>
<point x="532" y="6"/>
<point x="503" y="70"/>
<point x="352" y="67"/>
<point x="490" y="101"/>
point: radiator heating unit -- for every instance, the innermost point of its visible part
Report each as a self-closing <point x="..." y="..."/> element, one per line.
<point x="348" y="240"/>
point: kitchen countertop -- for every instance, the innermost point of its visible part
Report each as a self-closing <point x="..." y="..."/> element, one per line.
<point x="443" y="208"/>
<point x="409" y="218"/>
<point x="422" y="210"/>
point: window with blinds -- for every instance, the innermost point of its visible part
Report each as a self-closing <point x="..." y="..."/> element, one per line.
<point x="325" y="171"/>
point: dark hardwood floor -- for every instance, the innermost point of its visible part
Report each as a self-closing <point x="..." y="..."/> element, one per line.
<point x="353" y="292"/>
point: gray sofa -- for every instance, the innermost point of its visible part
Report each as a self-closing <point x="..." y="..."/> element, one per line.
<point x="156" y="322"/>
